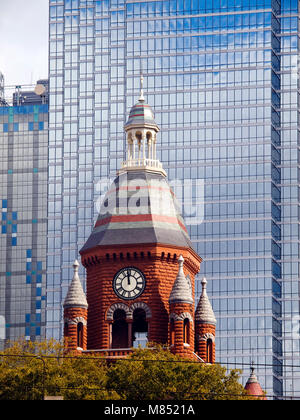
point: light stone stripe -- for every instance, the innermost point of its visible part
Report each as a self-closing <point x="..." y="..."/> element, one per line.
<point x="138" y="225"/>
<point x="142" y="192"/>
<point x="158" y="208"/>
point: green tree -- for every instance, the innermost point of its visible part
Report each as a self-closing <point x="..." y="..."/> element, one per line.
<point x="28" y="371"/>
<point x="159" y="375"/>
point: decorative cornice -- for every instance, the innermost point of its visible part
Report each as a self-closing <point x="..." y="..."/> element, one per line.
<point x="153" y="251"/>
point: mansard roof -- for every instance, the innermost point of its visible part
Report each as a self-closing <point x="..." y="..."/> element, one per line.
<point x="139" y="208"/>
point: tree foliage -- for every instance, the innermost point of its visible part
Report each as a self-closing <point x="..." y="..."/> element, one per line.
<point x="30" y="371"/>
<point x="159" y="375"/>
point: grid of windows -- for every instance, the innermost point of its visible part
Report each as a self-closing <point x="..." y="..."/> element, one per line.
<point x="219" y="75"/>
<point x="23" y="220"/>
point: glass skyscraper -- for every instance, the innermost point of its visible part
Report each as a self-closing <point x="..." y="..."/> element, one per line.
<point x="221" y="76"/>
<point x="23" y="220"/>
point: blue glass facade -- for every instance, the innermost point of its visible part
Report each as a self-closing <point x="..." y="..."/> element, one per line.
<point x="23" y="221"/>
<point x="221" y="77"/>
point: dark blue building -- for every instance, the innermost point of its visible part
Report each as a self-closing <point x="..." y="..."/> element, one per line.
<point x="23" y="221"/>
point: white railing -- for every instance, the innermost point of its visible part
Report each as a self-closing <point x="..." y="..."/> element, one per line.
<point x="142" y="163"/>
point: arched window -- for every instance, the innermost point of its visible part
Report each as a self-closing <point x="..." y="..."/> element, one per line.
<point x="139" y="328"/>
<point x="172" y="332"/>
<point x="66" y="329"/>
<point x="119" y="330"/>
<point x="186" y="331"/>
<point x="209" y="351"/>
<point x="80" y="335"/>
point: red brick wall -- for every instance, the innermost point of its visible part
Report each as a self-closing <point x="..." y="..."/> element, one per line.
<point x="201" y="331"/>
<point x="160" y="267"/>
<point x="70" y="333"/>
<point x="179" y="347"/>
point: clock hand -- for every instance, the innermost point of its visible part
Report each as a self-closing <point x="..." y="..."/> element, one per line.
<point x="128" y="277"/>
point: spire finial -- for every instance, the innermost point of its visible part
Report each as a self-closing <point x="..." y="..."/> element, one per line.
<point x="142" y="99"/>
<point x="204" y="283"/>
<point x="180" y="261"/>
<point x="204" y="312"/>
<point x="252" y="368"/>
<point x="76" y="266"/>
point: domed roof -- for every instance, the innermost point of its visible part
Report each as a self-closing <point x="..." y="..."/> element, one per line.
<point x="139" y="208"/>
<point x="141" y="114"/>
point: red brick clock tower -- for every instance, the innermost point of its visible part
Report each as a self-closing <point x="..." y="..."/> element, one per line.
<point x="139" y="259"/>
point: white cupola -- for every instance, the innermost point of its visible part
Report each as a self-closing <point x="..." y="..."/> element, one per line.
<point x="141" y="131"/>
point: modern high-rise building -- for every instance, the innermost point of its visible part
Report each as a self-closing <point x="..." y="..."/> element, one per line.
<point x="23" y="220"/>
<point x="221" y="76"/>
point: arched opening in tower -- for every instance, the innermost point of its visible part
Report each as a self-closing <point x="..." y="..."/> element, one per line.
<point x="119" y="330"/>
<point x="209" y="351"/>
<point x="186" y="331"/>
<point x="139" y="328"/>
<point x="80" y="334"/>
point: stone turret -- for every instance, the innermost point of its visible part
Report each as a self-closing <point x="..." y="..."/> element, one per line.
<point x="205" y="327"/>
<point x="181" y="326"/>
<point x="75" y="314"/>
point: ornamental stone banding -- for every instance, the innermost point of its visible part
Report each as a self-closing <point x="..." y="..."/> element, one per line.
<point x="141" y="305"/>
<point x="128" y="310"/>
<point x="75" y="321"/>
<point x="116" y="306"/>
<point x="205" y="337"/>
<point x="181" y="317"/>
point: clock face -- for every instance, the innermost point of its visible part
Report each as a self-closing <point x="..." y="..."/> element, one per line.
<point x="129" y="283"/>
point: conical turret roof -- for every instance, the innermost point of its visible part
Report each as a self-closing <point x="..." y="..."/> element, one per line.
<point x="181" y="291"/>
<point x="204" y="312"/>
<point x="75" y="296"/>
<point x="253" y="387"/>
